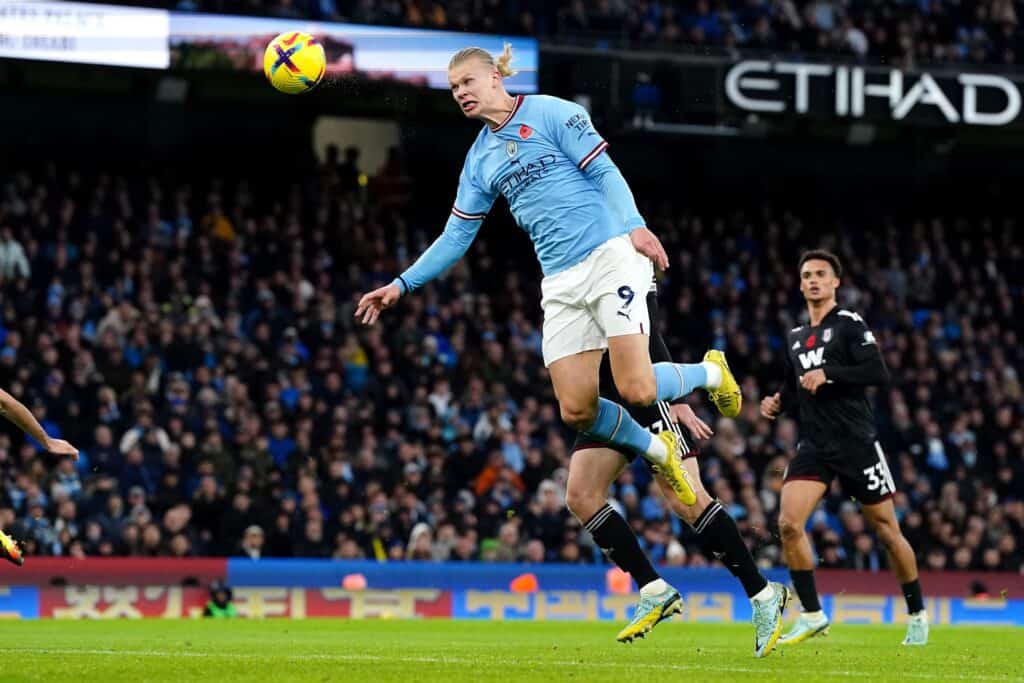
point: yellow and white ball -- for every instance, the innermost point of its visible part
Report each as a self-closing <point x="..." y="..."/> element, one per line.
<point x="294" y="62"/>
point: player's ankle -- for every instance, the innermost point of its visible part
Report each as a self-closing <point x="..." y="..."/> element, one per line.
<point x="657" y="452"/>
<point x="766" y="593"/>
<point x="656" y="587"/>
<point x="714" y="374"/>
<point x="818" y="615"/>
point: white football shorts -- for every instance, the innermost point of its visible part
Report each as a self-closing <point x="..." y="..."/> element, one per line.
<point x="602" y="296"/>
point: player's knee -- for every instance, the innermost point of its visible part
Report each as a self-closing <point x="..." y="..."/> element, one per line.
<point x="789" y="528"/>
<point x="580" y="418"/>
<point x="582" y="502"/>
<point x="638" y="391"/>
<point x="888" y="532"/>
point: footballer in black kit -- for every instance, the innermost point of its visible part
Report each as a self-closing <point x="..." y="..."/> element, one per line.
<point x="837" y="425"/>
<point x="830" y="362"/>
<point x="716" y="530"/>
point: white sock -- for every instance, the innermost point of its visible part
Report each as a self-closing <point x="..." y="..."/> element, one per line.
<point x="923" y="614"/>
<point x="657" y="451"/>
<point x="656" y="587"/>
<point x="766" y="593"/>
<point x="714" y="375"/>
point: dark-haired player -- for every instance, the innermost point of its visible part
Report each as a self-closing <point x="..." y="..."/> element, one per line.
<point x="596" y="465"/>
<point x="829" y="363"/>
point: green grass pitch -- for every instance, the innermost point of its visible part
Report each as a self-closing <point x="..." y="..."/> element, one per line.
<point x="442" y="650"/>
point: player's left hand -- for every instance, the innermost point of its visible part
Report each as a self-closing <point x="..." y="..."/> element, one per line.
<point x="647" y="244"/>
<point x="813" y="380"/>
<point x="61" y="447"/>
<point x="684" y="415"/>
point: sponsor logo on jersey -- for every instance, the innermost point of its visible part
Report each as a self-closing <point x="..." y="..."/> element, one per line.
<point x="812" y="359"/>
<point x="524" y="174"/>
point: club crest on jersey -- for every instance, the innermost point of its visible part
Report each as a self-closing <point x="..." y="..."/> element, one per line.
<point x="511" y="148"/>
<point x="827" y="337"/>
<point x="525" y="132"/>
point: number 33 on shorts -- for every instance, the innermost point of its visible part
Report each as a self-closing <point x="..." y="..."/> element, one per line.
<point x="879" y="476"/>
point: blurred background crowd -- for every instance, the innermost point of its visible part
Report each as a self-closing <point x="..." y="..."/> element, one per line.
<point x="901" y="32"/>
<point x="195" y="340"/>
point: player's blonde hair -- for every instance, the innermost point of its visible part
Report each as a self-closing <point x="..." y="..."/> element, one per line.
<point x="502" y="63"/>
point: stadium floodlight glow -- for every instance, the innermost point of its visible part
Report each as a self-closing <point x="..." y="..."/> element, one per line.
<point x="767" y="87"/>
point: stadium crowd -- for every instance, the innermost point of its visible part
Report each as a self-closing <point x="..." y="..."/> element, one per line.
<point x="886" y="31"/>
<point x="197" y="344"/>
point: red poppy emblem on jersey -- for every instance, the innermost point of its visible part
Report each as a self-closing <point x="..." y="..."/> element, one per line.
<point x="525" y="131"/>
<point x="811" y="341"/>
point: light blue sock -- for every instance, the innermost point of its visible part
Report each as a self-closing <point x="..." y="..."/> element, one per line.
<point x="675" y="380"/>
<point x="614" y="425"/>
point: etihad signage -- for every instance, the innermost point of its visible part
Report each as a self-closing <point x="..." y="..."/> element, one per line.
<point x="869" y="93"/>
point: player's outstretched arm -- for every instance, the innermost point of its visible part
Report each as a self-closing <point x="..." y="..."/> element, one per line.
<point x="448" y="248"/>
<point x="471" y="205"/>
<point x="12" y="409"/>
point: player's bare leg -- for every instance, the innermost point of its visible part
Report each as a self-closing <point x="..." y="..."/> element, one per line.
<point x="576" y="381"/>
<point x="641" y="382"/>
<point x="718" y="533"/>
<point x="882" y="516"/>
<point x="799" y="498"/>
<point x="632" y="370"/>
<point x="591" y="472"/>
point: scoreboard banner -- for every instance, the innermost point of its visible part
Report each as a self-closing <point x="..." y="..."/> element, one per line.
<point x="157" y="39"/>
<point x="133" y="588"/>
<point x="84" y="33"/>
<point x="416" y="56"/>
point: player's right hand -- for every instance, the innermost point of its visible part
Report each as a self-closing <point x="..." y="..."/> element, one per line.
<point x="771" y="406"/>
<point x="61" y="447"/>
<point x="647" y="243"/>
<point x="372" y="303"/>
<point x="684" y="415"/>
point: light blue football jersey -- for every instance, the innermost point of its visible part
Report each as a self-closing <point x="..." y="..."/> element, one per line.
<point x="536" y="159"/>
<point x="548" y="162"/>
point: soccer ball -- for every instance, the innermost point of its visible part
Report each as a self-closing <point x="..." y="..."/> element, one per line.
<point x="294" y="62"/>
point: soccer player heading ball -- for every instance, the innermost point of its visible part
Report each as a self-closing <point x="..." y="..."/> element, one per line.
<point x="829" y="363"/>
<point x="545" y="157"/>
